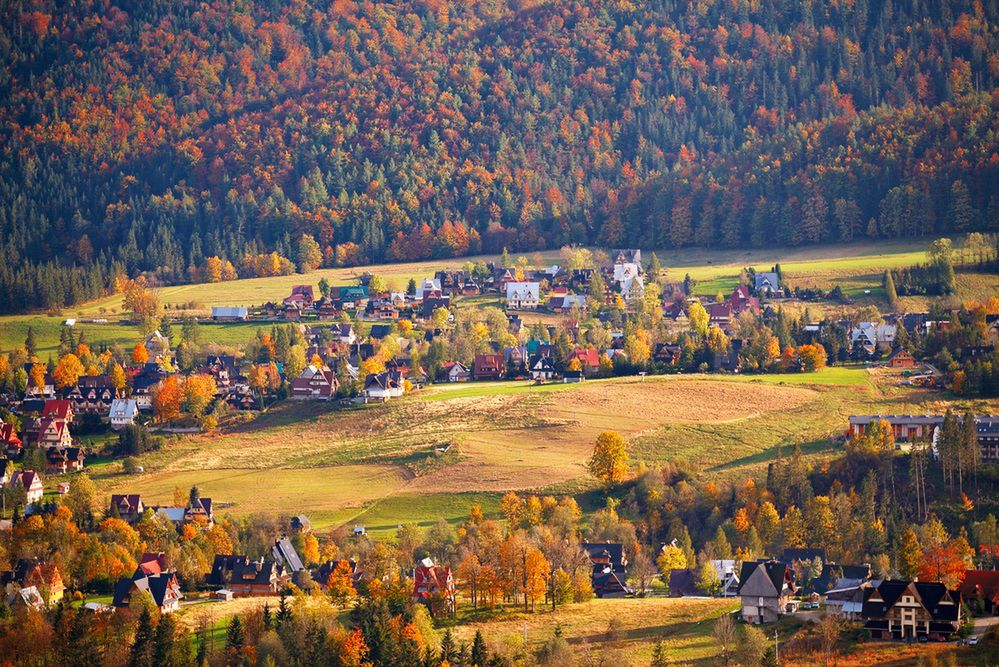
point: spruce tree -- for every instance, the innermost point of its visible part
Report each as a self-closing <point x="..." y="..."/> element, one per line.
<point x="889" y="285"/>
<point x="234" y="641"/>
<point x="480" y="653"/>
<point x="29" y="342"/>
<point x="143" y="645"/>
<point x="284" y="611"/>
<point x="448" y="650"/>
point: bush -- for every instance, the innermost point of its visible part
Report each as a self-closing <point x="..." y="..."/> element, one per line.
<point x="130" y="466"/>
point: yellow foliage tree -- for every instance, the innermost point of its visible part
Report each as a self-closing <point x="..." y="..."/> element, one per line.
<point x="68" y="371"/>
<point x="609" y="462"/>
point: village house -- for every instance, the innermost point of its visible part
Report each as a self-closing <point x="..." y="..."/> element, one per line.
<point x="872" y="337"/>
<point x="229" y="313"/>
<point x="61" y="460"/>
<point x="608" y="576"/>
<point x="122" y="413"/>
<point x="911" y="609"/>
<point x="43" y="576"/>
<point x="245" y="577"/>
<point x="223" y="368"/>
<point x="286" y="556"/>
<point x="541" y="368"/>
<point x="905" y="428"/>
<point x="314" y="384"/>
<point x="199" y="510"/>
<point x="667" y="354"/>
<point x="565" y="304"/>
<point x="455" y="371"/>
<point x="28" y="598"/>
<point x="32" y="483"/>
<point x="901" y="358"/>
<point x="127" y="506"/>
<point x="628" y="278"/>
<point x="523" y="295"/>
<point x="980" y="590"/>
<point x="93" y="394"/>
<point x="45" y="392"/>
<point x="150" y="578"/>
<point x="383" y="386"/>
<point x="432" y="583"/>
<point x="9" y="441"/>
<point x="740" y="301"/>
<point x="61" y="409"/>
<point x="488" y="367"/>
<point x="321" y="574"/>
<point x="766" y="588"/>
<point x="300" y="524"/>
<point x="767" y="283"/>
<point x="52" y="432"/>
<point x="589" y="359"/>
<point x="143" y="383"/>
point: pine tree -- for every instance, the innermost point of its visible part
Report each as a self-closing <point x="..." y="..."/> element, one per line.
<point x="143" y="645"/>
<point x="448" y="650"/>
<point x="480" y="655"/>
<point x="234" y="641"/>
<point x="268" y="618"/>
<point x="29" y="342"/>
<point x="284" y="611"/>
<point x="889" y="285"/>
<point x="165" y="637"/>
<point x="961" y="212"/>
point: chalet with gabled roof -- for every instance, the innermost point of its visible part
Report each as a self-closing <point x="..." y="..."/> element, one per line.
<point x="58" y="409"/>
<point x="911" y="609"/>
<point x="314" y="384"/>
<point x="162" y="587"/>
<point x="50" y="432"/>
<point x="609" y="562"/>
<point x="64" y="459"/>
<point x="488" y="367"/>
<point x="434" y="582"/>
<point x="11" y="444"/>
<point x="128" y="506"/>
<point x="383" y="386"/>
<point x="766" y="589"/>
<point x="455" y="371"/>
<point x="44" y="576"/>
<point x="245" y="577"/>
<point x="32" y="483"/>
<point x="541" y="368"/>
<point x="123" y="412"/>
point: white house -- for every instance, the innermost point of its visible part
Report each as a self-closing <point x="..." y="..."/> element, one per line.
<point x="428" y="285"/>
<point x="629" y="281"/>
<point x="123" y="412"/>
<point x="383" y="386"/>
<point x="523" y="295"/>
<point x="32" y="483"/>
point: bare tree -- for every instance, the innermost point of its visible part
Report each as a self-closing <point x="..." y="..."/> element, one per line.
<point x="642" y="571"/>
<point x="829" y="631"/>
<point x="726" y="636"/>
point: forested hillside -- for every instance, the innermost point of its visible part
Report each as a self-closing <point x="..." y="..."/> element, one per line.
<point x="147" y="136"/>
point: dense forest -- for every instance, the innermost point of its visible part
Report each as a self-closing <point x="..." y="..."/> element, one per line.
<point x="151" y="136"/>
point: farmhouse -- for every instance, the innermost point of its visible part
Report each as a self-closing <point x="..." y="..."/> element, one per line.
<point x="314" y="384"/>
<point x="301" y="297"/>
<point x="431" y="582"/>
<point x="609" y="563"/>
<point x="245" y="577"/>
<point x="628" y="277"/>
<point x="911" y="609"/>
<point x="383" y="386"/>
<point x="123" y="412"/>
<point x="199" y="510"/>
<point x="766" y="588"/>
<point x="51" y="432"/>
<point x="523" y="295"/>
<point x="61" y="409"/>
<point x="38" y="574"/>
<point x="488" y="367"/>
<point x="9" y="441"/>
<point x="32" y="483"/>
<point x="127" y="506"/>
<point x="63" y="459"/>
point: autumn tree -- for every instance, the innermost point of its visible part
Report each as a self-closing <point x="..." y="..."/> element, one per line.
<point x="67" y="371"/>
<point x="139" y="354"/>
<point x="199" y="390"/>
<point x="340" y="583"/>
<point x="167" y="398"/>
<point x="609" y="462"/>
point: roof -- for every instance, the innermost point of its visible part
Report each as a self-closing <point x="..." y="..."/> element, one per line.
<point x="683" y="583"/>
<point x="57" y="408"/>
<point x="123" y="408"/>
<point x="984" y="583"/>
<point x="284" y="552"/>
<point x="380" y="331"/>
<point x="941" y="604"/>
<point x="775" y="571"/>
<point x="229" y="311"/>
<point x="523" y="291"/>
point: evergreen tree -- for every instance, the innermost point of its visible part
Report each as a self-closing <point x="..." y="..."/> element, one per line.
<point x="284" y="611"/>
<point x="29" y="342"/>
<point x="448" y="650"/>
<point x="479" y="652"/>
<point x="267" y="616"/>
<point x="143" y="646"/>
<point x="234" y="641"/>
<point x="889" y="285"/>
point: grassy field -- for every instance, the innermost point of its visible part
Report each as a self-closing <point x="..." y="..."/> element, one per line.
<point x="379" y="465"/>
<point x="855" y="267"/>
<point x="619" y="632"/>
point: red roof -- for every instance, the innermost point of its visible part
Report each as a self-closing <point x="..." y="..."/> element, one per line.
<point x="57" y="408"/>
<point x="981" y="582"/>
<point x="589" y="357"/>
<point x="8" y="435"/>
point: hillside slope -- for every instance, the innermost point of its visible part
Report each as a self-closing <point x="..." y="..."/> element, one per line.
<point x="148" y="136"/>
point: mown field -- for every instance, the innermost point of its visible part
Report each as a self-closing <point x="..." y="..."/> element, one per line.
<point x="383" y="465"/>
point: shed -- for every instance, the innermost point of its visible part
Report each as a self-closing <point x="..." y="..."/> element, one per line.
<point x="224" y="595"/>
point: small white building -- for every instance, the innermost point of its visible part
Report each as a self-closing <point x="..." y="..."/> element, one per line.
<point x="123" y="412"/>
<point x="229" y="313"/>
<point x="523" y="295"/>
